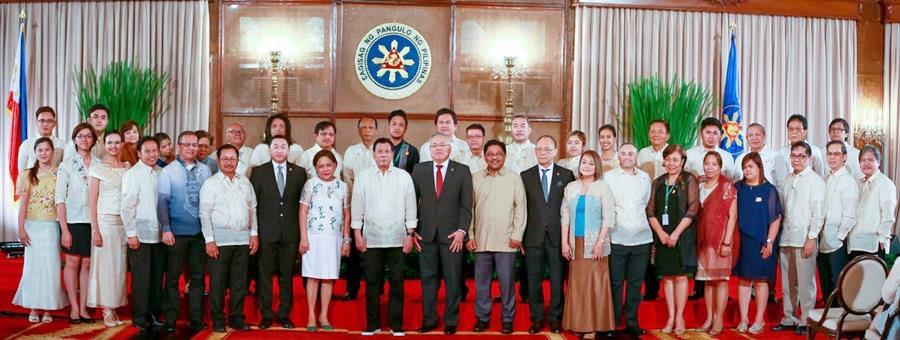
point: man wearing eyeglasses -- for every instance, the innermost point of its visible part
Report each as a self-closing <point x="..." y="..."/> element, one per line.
<point x="474" y="159"/>
<point x="46" y="122"/>
<point x="444" y="192"/>
<point x="236" y="135"/>
<point x="797" y="126"/>
<point x="544" y="184"/>
<point x="178" y="211"/>
<point x="228" y="217"/>
<point x="803" y="196"/>
<point x="839" y="130"/>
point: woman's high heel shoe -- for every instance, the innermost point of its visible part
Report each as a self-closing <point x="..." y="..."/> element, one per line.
<point x="669" y="325"/>
<point x="108" y="318"/>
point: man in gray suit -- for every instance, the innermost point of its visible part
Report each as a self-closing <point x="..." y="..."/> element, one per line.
<point x="444" y="194"/>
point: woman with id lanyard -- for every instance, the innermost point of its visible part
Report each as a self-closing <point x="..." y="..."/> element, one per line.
<point x="672" y="212"/>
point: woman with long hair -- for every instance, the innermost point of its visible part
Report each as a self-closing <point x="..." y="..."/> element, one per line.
<point x="609" y="154"/>
<point x="39" y="288"/>
<point x="276" y="125"/>
<point x="106" y="286"/>
<point x="166" y="149"/>
<point x="74" y="220"/>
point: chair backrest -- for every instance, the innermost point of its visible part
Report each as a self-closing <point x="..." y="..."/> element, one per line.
<point x="860" y="284"/>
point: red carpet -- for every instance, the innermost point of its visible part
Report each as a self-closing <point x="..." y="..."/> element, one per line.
<point x="349" y="318"/>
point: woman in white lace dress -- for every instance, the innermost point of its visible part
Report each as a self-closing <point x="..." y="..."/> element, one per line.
<point x="106" y="286"/>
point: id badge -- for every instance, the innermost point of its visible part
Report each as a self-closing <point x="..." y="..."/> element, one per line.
<point x="665" y="219"/>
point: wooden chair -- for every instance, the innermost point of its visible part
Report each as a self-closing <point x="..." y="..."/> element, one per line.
<point x="858" y="294"/>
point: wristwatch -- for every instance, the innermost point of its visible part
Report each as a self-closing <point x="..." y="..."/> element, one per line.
<point x="347" y="240"/>
<point x="769" y="241"/>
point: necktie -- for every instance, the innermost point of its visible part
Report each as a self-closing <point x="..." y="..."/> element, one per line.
<point x="438" y="181"/>
<point x="545" y="184"/>
<point x="280" y="180"/>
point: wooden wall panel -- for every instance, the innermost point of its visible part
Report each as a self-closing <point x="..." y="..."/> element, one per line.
<point x="891" y="11"/>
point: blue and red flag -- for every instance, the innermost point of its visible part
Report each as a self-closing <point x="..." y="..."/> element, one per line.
<point x="16" y="103"/>
<point x="732" y="117"/>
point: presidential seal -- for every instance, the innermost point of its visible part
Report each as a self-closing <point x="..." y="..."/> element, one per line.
<point x="393" y="61"/>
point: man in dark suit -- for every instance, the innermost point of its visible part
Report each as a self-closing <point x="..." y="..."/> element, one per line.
<point x="444" y="193"/>
<point x="277" y="185"/>
<point x="544" y="186"/>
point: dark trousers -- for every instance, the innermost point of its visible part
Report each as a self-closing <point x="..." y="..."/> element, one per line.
<point x="190" y="249"/>
<point x="505" y="265"/>
<point x="880" y="253"/>
<point x="147" y="264"/>
<point x="522" y="277"/>
<point x="279" y="256"/>
<point x="627" y="265"/>
<point x="830" y="266"/>
<point x="229" y="271"/>
<point x="535" y="259"/>
<point x="434" y="257"/>
<point x="374" y="261"/>
<point x="352" y="269"/>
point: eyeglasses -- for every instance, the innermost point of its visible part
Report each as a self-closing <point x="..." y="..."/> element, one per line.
<point x="231" y="160"/>
<point x="800" y="157"/>
<point x="84" y="137"/>
<point x="190" y="145"/>
<point x="438" y="145"/>
<point x="837" y="129"/>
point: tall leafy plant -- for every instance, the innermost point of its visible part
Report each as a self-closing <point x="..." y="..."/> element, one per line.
<point x="682" y="104"/>
<point x="130" y="92"/>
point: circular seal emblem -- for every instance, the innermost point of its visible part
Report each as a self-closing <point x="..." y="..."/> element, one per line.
<point x="393" y="61"/>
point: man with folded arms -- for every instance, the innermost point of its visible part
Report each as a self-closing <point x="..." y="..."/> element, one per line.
<point x="496" y="234"/>
<point x="877" y="206"/>
<point x="383" y="218"/>
<point x="228" y="219"/>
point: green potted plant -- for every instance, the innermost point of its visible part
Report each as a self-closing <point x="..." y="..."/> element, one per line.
<point x="682" y="104"/>
<point x="129" y="91"/>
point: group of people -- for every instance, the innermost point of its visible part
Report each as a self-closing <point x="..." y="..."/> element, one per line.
<point x="603" y="221"/>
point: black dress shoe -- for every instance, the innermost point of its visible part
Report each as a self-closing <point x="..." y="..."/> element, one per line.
<point x="144" y="331"/>
<point x="497" y="300"/>
<point x="219" y="329"/>
<point x="75" y="321"/>
<point x="781" y="327"/>
<point x="168" y="328"/>
<point x="555" y="327"/>
<point x="480" y="326"/>
<point x="198" y="326"/>
<point x="449" y="330"/>
<point x="286" y="323"/>
<point x="535" y="328"/>
<point x="240" y="326"/>
<point x="650" y="297"/>
<point x="426" y="328"/>
<point x="635" y="331"/>
<point x="507" y="328"/>
<point x="88" y="320"/>
<point x="801" y="330"/>
<point x="155" y="323"/>
<point x="265" y="323"/>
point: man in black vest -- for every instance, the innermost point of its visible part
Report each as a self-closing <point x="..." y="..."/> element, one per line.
<point x="444" y="191"/>
<point x="277" y="185"/>
<point x="544" y="186"/>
